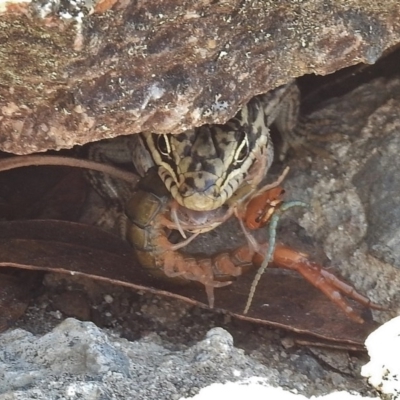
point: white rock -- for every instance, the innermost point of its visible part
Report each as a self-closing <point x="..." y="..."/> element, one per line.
<point x="259" y="389"/>
<point x="383" y="371"/>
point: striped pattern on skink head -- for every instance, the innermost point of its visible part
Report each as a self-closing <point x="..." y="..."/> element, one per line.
<point x="203" y="167"/>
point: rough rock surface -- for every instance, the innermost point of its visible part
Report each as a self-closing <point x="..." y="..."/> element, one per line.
<point x="353" y="193"/>
<point x="77" y="360"/>
<point x="74" y="72"/>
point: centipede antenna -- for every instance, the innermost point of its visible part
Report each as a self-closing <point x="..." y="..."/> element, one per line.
<point x="271" y="246"/>
<point x="175" y="219"/>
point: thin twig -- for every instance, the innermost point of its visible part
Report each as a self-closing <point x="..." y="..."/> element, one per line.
<point x="35" y="160"/>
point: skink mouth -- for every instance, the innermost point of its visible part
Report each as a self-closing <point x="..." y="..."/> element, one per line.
<point x="201" y="202"/>
<point x="199" y="192"/>
<point x="207" y="200"/>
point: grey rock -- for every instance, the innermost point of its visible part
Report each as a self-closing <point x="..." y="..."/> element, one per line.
<point x="78" y="360"/>
<point x="353" y="194"/>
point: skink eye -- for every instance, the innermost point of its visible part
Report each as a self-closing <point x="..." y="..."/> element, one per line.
<point x="163" y="144"/>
